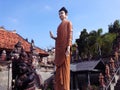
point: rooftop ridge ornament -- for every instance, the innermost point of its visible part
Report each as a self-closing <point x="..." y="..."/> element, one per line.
<point x="2" y="28"/>
<point x="18" y="44"/>
<point x="32" y="48"/>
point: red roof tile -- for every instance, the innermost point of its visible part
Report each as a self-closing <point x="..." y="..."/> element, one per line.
<point x="8" y="39"/>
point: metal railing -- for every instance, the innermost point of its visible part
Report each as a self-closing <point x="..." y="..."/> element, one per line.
<point x="108" y="86"/>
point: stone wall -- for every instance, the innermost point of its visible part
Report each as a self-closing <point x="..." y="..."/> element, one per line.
<point x="4" y="79"/>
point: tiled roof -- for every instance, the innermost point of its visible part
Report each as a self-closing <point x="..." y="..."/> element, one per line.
<point x="8" y="39"/>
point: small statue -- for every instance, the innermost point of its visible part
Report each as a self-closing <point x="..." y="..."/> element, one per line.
<point x="107" y="74"/>
<point x="112" y="66"/>
<point x="32" y="48"/>
<point x="101" y="81"/>
<point x="3" y="55"/>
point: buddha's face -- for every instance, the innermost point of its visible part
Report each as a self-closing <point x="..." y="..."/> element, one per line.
<point x="62" y="15"/>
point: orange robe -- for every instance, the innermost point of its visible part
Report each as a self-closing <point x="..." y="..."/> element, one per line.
<point x="63" y="40"/>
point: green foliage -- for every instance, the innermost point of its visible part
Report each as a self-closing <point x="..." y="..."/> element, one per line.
<point x="115" y="27"/>
<point x="95" y="44"/>
<point x="94" y="87"/>
<point x="108" y="39"/>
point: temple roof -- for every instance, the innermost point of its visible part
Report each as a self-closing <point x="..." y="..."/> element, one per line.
<point x="87" y="66"/>
<point x="9" y="38"/>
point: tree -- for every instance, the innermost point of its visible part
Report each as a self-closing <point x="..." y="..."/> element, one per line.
<point x="115" y="27"/>
<point x="89" y="44"/>
<point x="108" y="39"/>
<point x="82" y="43"/>
<point x="95" y="44"/>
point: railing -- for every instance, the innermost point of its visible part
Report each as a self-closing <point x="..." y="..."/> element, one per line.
<point x="112" y="79"/>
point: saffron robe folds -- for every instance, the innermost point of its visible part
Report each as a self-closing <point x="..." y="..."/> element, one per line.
<point x="63" y="40"/>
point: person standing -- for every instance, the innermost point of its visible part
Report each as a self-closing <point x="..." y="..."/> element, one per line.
<point x="63" y="42"/>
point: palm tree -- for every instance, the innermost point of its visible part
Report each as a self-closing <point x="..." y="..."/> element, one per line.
<point x="82" y="43"/>
<point x="95" y="44"/>
<point x="115" y="27"/>
<point x="108" y="39"/>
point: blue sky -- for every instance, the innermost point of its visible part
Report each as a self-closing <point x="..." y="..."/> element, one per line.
<point x="33" y="19"/>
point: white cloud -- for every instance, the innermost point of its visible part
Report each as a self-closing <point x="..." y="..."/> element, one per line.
<point x="13" y="20"/>
<point x="46" y="7"/>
